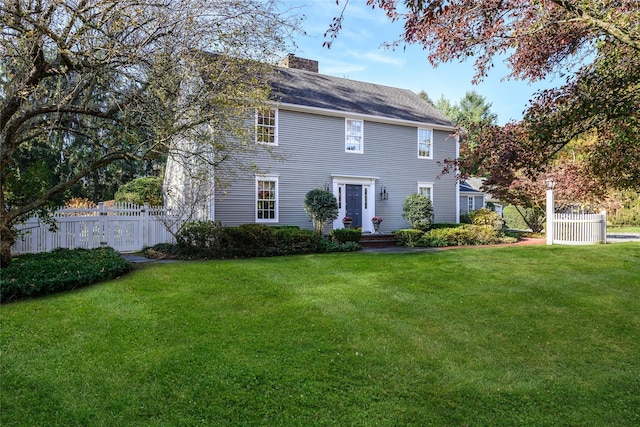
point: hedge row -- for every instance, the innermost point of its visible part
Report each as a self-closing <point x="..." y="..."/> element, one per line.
<point x="59" y="270"/>
<point x="467" y="234"/>
<point x="210" y="240"/>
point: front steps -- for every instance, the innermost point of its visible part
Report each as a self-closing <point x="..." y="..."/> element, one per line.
<point x="378" y="240"/>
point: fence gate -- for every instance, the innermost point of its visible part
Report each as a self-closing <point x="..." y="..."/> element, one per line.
<point x="579" y="228"/>
<point x="124" y="227"/>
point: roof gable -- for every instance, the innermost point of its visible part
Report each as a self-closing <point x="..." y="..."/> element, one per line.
<point x="309" y="89"/>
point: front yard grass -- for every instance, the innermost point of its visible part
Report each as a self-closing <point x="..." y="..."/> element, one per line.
<point x="493" y="336"/>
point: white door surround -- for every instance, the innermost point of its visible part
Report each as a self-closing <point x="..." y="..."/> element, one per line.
<point x="368" y="184"/>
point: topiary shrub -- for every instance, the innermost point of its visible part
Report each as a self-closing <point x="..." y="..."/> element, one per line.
<point x="322" y="208"/>
<point x="418" y="211"/>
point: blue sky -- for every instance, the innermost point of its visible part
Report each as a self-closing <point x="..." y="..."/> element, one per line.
<point x="358" y="54"/>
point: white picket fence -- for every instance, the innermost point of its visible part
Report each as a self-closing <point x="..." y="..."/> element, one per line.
<point x="125" y="227"/>
<point x="579" y="228"/>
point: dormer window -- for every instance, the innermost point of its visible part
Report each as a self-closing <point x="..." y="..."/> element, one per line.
<point x="267" y="126"/>
<point x="354" y="142"/>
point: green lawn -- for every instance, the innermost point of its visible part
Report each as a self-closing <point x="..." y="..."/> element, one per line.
<point x="526" y="336"/>
<point x="614" y="230"/>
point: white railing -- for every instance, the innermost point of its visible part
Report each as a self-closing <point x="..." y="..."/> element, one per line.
<point x="579" y="228"/>
<point x="125" y="227"/>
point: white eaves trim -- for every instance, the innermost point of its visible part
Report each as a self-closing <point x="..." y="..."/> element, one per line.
<point x="379" y="119"/>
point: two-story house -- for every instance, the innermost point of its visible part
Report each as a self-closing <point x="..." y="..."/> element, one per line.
<point x="370" y="145"/>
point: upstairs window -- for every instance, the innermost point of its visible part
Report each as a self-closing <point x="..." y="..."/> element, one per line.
<point x="425" y="143"/>
<point x="354" y="136"/>
<point x="267" y="126"/>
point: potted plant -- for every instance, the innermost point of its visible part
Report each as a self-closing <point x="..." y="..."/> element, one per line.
<point x="347" y="221"/>
<point x="376" y="220"/>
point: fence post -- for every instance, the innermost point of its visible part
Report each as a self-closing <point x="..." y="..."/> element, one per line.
<point x="604" y="226"/>
<point x="144" y="226"/>
<point x="550" y="211"/>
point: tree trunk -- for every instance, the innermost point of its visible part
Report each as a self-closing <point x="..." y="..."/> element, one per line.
<point x="7" y="239"/>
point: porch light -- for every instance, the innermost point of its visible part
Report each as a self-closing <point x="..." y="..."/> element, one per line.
<point x="550" y="183"/>
<point x="383" y="193"/>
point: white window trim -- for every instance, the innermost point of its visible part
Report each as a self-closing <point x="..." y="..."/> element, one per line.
<point x="430" y="156"/>
<point x="275" y="179"/>
<point x="346" y="135"/>
<point x="471" y="204"/>
<point x="428" y="185"/>
<point x="275" y="132"/>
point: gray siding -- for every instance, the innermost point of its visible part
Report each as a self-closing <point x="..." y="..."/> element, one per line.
<point x="313" y="149"/>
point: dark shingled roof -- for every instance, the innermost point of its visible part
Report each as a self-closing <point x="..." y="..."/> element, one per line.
<point x="309" y="89"/>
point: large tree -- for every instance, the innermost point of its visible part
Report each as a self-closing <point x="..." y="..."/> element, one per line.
<point x="85" y="83"/>
<point x="596" y="44"/>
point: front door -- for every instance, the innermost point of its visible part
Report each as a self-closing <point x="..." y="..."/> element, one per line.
<point x="353" y="204"/>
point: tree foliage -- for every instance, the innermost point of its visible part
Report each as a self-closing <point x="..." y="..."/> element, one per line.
<point x="84" y="84"/>
<point x="140" y="191"/>
<point x="595" y="44"/>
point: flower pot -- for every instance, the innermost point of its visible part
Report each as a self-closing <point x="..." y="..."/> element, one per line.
<point x="347" y="224"/>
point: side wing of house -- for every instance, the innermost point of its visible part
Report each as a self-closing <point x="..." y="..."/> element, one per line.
<point x="471" y="199"/>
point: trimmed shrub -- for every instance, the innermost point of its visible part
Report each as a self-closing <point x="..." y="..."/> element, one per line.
<point x="328" y="245"/>
<point x="460" y="236"/>
<point x="408" y="237"/>
<point x="198" y="238"/>
<point x="445" y="225"/>
<point x="488" y="217"/>
<point x="207" y="239"/>
<point x="59" y="270"/>
<point x="418" y="211"/>
<point x="322" y="208"/>
<point x="292" y="241"/>
<point x="343" y="235"/>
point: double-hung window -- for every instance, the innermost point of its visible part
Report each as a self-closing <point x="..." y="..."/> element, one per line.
<point x="426" y="189"/>
<point x="425" y="143"/>
<point x="266" y="199"/>
<point x="267" y="126"/>
<point x="354" y="142"/>
<point x="471" y="205"/>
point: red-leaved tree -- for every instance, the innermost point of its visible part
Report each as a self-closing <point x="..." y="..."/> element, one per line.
<point x="596" y="44"/>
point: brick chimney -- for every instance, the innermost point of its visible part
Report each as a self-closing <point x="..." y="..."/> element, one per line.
<point x="292" y="61"/>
